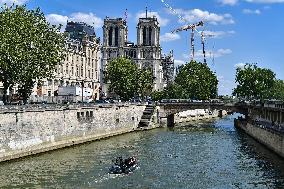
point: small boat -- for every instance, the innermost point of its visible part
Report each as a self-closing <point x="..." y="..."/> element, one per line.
<point x="124" y="166"/>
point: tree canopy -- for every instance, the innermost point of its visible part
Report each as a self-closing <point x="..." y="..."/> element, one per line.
<point x="254" y="82"/>
<point x="30" y="48"/>
<point x="197" y="81"/>
<point x="126" y="80"/>
<point x="193" y="81"/>
<point x="278" y="90"/>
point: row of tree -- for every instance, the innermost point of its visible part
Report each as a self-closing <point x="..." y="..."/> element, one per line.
<point x="194" y="80"/>
<point x="30" y="48"/>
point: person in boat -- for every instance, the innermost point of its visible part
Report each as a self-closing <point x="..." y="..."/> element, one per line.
<point x="130" y="161"/>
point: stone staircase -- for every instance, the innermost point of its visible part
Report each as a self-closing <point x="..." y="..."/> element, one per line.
<point x="147" y="115"/>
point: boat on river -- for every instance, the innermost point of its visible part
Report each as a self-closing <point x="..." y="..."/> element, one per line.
<point x="124" y="166"/>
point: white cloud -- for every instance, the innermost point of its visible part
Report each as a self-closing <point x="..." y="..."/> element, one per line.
<point x="162" y="21"/>
<point x="179" y="62"/>
<point x="240" y="65"/>
<point x="228" y="2"/>
<point x="196" y="15"/>
<point x="57" y="19"/>
<point x="265" y="1"/>
<point x="249" y="11"/>
<point x="218" y="34"/>
<point x="234" y="2"/>
<point x="211" y="53"/>
<point x="222" y="52"/>
<point x="10" y="2"/>
<point x="169" y="37"/>
<point x="89" y="18"/>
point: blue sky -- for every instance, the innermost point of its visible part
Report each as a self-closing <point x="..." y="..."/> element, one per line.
<point x="242" y="31"/>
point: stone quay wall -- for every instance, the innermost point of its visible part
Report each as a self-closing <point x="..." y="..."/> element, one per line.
<point x="271" y="139"/>
<point x="195" y="115"/>
<point x="27" y="132"/>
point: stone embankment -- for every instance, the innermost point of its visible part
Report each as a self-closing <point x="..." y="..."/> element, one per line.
<point x="270" y="136"/>
<point x="29" y="131"/>
<point x="198" y="114"/>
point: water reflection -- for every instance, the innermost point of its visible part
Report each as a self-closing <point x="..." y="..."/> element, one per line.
<point x="201" y="155"/>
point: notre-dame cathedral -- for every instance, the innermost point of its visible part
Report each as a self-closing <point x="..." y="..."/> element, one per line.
<point x="146" y="53"/>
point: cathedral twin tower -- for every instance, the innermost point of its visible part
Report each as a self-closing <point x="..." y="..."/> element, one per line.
<point x="146" y="53"/>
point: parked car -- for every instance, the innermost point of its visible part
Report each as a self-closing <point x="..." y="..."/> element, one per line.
<point x="1" y="103"/>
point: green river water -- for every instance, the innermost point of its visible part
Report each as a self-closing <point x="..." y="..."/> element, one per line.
<point x="202" y="155"/>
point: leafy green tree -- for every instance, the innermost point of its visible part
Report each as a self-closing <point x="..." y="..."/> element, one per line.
<point x="30" y="48"/>
<point x="254" y="82"/>
<point x="127" y="80"/>
<point x="278" y="90"/>
<point x="145" y="82"/>
<point x="157" y="95"/>
<point x="196" y="81"/>
<point x="174" y="91"/>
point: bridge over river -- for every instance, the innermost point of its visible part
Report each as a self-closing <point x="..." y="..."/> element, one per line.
<point x="270" y="112"/>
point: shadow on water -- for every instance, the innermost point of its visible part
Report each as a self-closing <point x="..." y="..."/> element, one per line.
<point x="267" y="159"/>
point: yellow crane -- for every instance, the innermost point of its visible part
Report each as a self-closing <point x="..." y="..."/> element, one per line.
<point x="192" y="28"/>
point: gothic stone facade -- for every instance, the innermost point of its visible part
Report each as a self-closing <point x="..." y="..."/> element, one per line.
<point x="146" y="53"/>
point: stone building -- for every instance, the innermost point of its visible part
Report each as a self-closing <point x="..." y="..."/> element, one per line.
<point x="81" y="65"/>
<point x="146" y="53"/>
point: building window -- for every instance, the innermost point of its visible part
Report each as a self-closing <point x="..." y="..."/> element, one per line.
<point x="144" y="35"/>
<point x="82" y="72"/>
<point x="72" y="70"/>
<point x="150" y="36"/>
<point x="116" y="36"/>
<point x="67" y="69"/>
<point x="110" y="36"/>
<point x="89" y="73"/>
<point x="77" y="71"/>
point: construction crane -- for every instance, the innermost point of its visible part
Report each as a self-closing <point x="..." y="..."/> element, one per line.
<point x="192" y="27"/>
<point x="203" y="35"/>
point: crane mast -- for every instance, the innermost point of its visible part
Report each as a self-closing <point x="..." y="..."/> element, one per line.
<point x="192" y="27"/>
<point x="203" y="46"/>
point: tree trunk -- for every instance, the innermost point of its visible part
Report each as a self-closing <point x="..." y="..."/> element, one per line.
<point x="25" y="91"/>
<point x="6" y="86"/>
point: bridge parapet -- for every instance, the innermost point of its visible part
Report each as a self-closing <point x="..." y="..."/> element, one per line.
<point x="168" y="108"/>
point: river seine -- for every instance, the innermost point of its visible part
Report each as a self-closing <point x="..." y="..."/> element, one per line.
<point x="209" y="154"/>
